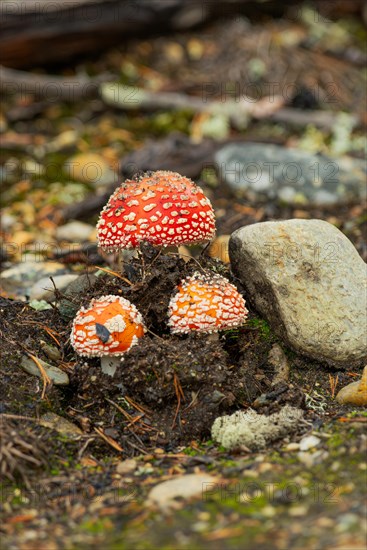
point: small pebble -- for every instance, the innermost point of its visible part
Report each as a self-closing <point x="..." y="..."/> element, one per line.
<point x="126" y="466"/>
<point x="292" y="447"/>
<point x="309" y="442"/>
<point x="74" y="231"/>
<point x="298" y="511"/>
<point x="219" y="248"/>
<point x="44" y="288"/>
<point x="354" y="393"/>
<point x="58" y="377"/>
<point x="89" y="168"/>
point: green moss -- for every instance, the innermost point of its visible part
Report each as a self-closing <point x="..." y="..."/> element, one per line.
<point x="96" y="526"/>
<point x="191" y="452"/>
<point x="262" y="326"/>
<point x="355" y="414"/>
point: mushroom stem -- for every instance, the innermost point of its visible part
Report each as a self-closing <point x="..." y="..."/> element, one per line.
<point x="109" y="364"/>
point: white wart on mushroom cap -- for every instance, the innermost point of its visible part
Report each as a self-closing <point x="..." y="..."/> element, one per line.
<point x="161" y="208"/>
<point x="206" y="303"/>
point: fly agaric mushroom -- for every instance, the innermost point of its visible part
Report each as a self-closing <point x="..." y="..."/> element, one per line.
<point x="206" y="303"/>
<point x="107" y="328"/>
<point x="161" y="208"/>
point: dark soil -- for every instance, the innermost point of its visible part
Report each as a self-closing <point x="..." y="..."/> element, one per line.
<point x="179" y="384"/>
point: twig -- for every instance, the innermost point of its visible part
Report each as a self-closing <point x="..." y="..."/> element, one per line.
<point x="49" y="331"/>
<point x="120" y="409"/>
<point x="114" y="273"/>
<point x="18" y="417"/>
<point x="179" y="394"/>
<point x="333" y="384"/>
<point x="108" y="439"/>
<point x="46" y="379"/>
<point x="140" y="408"/>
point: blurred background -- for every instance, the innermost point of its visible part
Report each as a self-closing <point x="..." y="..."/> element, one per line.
<point x="260" y="102"/>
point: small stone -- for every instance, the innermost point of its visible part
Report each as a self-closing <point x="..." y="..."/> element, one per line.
<point x="184" y="253"/>
<point x="297" y="511"/>
<point x="354" y="393"/>
<point x="292" y="447"/>
<point x="126" y="466"/>
<point x="165" y="494"/>
<point x="44" y="288"/>
<point x="347" y="522"/>
<point x="89" y="168"/>
<point x="268" y="511"/>
<point x="219" y="248"/>
<point x="74" y="231"/>
<point x="278" y="360"/>
<point x="311" y="459"/>
<point x="307" y="279"/>
<point x="306" y="458"/>
<point x="58" y="377"/>
<point x="77" y="287"/>
<point x="309" y="442"/>
<point x="32" y="271"/>
<point x="51" y="351"/>
<point x="60" y="424"/>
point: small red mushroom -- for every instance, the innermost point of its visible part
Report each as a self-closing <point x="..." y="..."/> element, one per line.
<point x="161" y="208"/>
<point x="107" y="328"/>
<point x="206" y="303"/>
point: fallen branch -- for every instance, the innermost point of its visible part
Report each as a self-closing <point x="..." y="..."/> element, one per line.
<point x="298" y="117"/>
<point x="50" y="87"/>
<point x="236" y="110"/>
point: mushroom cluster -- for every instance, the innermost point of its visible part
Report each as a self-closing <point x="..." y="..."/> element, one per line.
<point x="160" y="208"/>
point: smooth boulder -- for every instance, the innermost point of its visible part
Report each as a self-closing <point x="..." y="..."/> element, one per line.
<point x="307" y="279"/>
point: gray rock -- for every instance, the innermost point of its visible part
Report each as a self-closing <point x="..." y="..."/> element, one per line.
<point x="307" y="279"/>
<point x="74" y="231"/>
<point x="90" y="168"/>
<point x="69" y="305"/>
<point x="61" y="425"/>
<point x="44" y="288"/>
<point x="290" y="175"/>
<point x="58" y="376"/>
<point x="25" y="272"/>
<point x="19" y="279"/>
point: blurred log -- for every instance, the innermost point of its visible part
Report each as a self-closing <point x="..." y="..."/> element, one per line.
<point x="38" y="32"/>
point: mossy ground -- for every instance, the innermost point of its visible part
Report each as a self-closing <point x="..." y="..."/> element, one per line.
<point x="260" y="497"/>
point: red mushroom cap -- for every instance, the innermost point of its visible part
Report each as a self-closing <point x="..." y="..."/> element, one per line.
<point x="161" y="208"/>
<point x="110" y="325"/>
<point x="206" y="303"/>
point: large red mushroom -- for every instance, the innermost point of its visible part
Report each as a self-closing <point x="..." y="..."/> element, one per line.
<point x="161" y="208"/>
